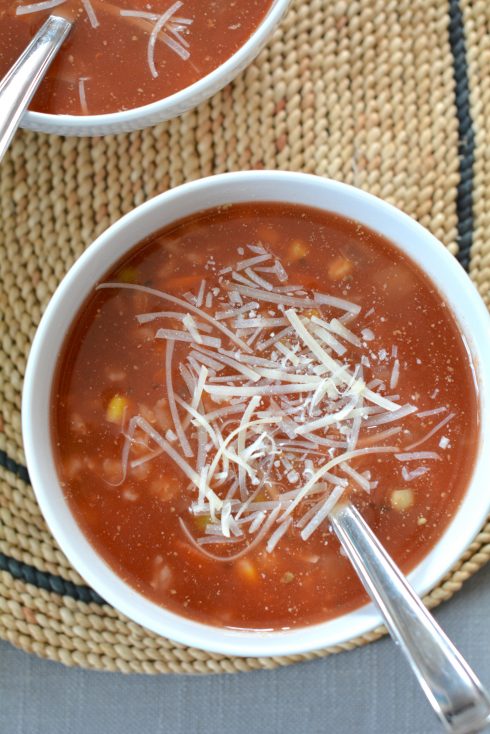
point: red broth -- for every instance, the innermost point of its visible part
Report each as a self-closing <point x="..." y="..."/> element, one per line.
<point x="236" y="537"/>
<point x="110" y="62"/>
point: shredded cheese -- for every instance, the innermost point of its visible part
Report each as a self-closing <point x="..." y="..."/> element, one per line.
<point x="296" y="397"/>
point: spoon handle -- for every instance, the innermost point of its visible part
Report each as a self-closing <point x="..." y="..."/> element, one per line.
<point x="452" y="688"/>
<point x="21" y="81"/>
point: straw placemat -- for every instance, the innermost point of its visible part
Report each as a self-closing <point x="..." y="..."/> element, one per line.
<point x="390" y="95"/>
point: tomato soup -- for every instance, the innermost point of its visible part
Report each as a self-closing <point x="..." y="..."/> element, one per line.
<point x="236" y="376"/>
<point x="128" y="53"/>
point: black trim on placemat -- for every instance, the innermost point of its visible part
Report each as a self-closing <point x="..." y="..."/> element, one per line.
<point x="12" y="466"/>
<point x="48" y="581"/>
<point x="31" y="575"/>
<point x="466" y="134"/>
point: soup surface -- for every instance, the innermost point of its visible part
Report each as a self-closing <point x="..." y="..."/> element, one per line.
<point x="128" y="53"/>
<point x="232" y="379"/>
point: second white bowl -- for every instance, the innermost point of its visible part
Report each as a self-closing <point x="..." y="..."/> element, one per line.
<point x="168" y="107"/>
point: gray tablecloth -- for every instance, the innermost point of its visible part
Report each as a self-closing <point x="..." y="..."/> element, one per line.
<point x="365" y="691"/>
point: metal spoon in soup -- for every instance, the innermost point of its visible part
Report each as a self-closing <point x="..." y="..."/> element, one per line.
<point x="453" y="690"/>
<point x="19" y="85"/>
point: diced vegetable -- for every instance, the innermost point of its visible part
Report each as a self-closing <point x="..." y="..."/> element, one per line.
<point x="77" y="424"/>
<point x="164" y="488"/>
<point x="116" y="408"/>
<point x="309" y="313"/>
<point x="297" y="250"/>
<point x="339" y="268"/>
<point x="128" y="275"/>
<point x="201" y="522"/>
<point x="402" y="499"/>
<point x="247" y="570"/>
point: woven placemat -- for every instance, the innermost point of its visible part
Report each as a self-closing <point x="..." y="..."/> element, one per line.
<point x="390" y="95"/>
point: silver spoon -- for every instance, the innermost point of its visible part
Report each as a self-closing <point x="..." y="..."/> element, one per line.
<point x="20" y="83"/>
<point x="453" y="690"/>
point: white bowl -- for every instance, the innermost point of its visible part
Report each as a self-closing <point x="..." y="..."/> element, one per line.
<point x="296" y="188"/>
<point x="168" y="107"/>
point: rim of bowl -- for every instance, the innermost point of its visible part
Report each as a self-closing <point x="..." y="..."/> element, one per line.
<point x="168" y="107"/>
<point x="246" y="186"/>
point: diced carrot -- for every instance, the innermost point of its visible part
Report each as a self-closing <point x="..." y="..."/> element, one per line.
<point x="247" y="570"/>
<point x="339" y="268"/>
<point x="266" y="234"/>
<point x="141" y="472"/>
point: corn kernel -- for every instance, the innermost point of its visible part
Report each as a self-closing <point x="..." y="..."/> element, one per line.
<point x="128" y="275"/>
<point x="116" y="409"/>
<point x="401" y="499"/>
<point x="201" y="522"/>
<point x="310" y="312"/>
